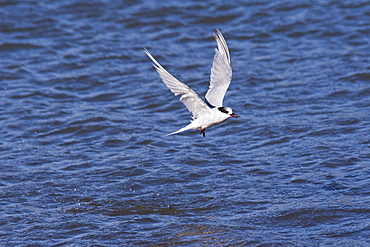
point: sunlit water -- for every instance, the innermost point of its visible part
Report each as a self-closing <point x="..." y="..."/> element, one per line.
<point x="84" y="159"/>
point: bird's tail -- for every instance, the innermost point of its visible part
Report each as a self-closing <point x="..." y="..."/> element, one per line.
<point x="188" y="127"/>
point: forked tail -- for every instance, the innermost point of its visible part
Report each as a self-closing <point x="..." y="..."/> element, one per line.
<point x="188" y="127"/>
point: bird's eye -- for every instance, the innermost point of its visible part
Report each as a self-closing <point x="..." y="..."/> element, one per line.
<point x="223" y="109"/>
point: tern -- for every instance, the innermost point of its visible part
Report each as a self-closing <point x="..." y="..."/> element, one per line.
<point x="211" y="112"/>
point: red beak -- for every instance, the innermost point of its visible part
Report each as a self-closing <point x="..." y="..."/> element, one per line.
<point x="234" y="115"/>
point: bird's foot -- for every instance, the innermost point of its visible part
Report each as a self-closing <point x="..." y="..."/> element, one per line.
<point x="203" y="131"/>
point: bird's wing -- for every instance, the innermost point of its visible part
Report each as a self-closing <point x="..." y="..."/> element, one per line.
<point x="220" y="73"/>
<point x="188" y="96"/>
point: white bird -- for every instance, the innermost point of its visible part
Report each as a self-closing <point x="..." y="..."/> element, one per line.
<point x="212" y="112"/>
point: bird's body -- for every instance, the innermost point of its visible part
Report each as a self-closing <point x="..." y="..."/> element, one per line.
<point x="209" y="118"/>
<point x="208" y="114"/>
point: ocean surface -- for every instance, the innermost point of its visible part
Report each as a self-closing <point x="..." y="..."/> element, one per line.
<point x="84" y="160"/>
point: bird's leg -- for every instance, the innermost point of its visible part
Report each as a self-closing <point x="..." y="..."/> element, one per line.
<point x="203" y="131"/>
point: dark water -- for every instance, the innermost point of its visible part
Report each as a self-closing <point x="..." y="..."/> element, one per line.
<point x="84" y="160"/>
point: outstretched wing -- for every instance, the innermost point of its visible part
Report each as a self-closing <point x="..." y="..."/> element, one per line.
<point x="188" y="96"/>
<point x="220" y="73"/>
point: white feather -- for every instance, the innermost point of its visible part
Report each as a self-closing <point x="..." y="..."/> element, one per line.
<point x="203" y="116"/>
<point x="221" y="72"/>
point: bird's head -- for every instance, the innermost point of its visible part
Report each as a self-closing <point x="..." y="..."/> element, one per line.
<point x="228" y="111"/>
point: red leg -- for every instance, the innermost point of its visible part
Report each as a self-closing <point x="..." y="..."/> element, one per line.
<point x="203" y="131"/>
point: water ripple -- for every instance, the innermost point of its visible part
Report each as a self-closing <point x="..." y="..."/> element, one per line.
<point x="84" y="114"/>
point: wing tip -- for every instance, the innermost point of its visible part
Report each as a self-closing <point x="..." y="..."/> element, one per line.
<point x="156" y="64"/>
<point x="146" y="50"/>
<point x="221" y="44"/>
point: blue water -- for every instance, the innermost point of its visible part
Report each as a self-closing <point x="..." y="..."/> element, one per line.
<point x="83" y="156"/>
